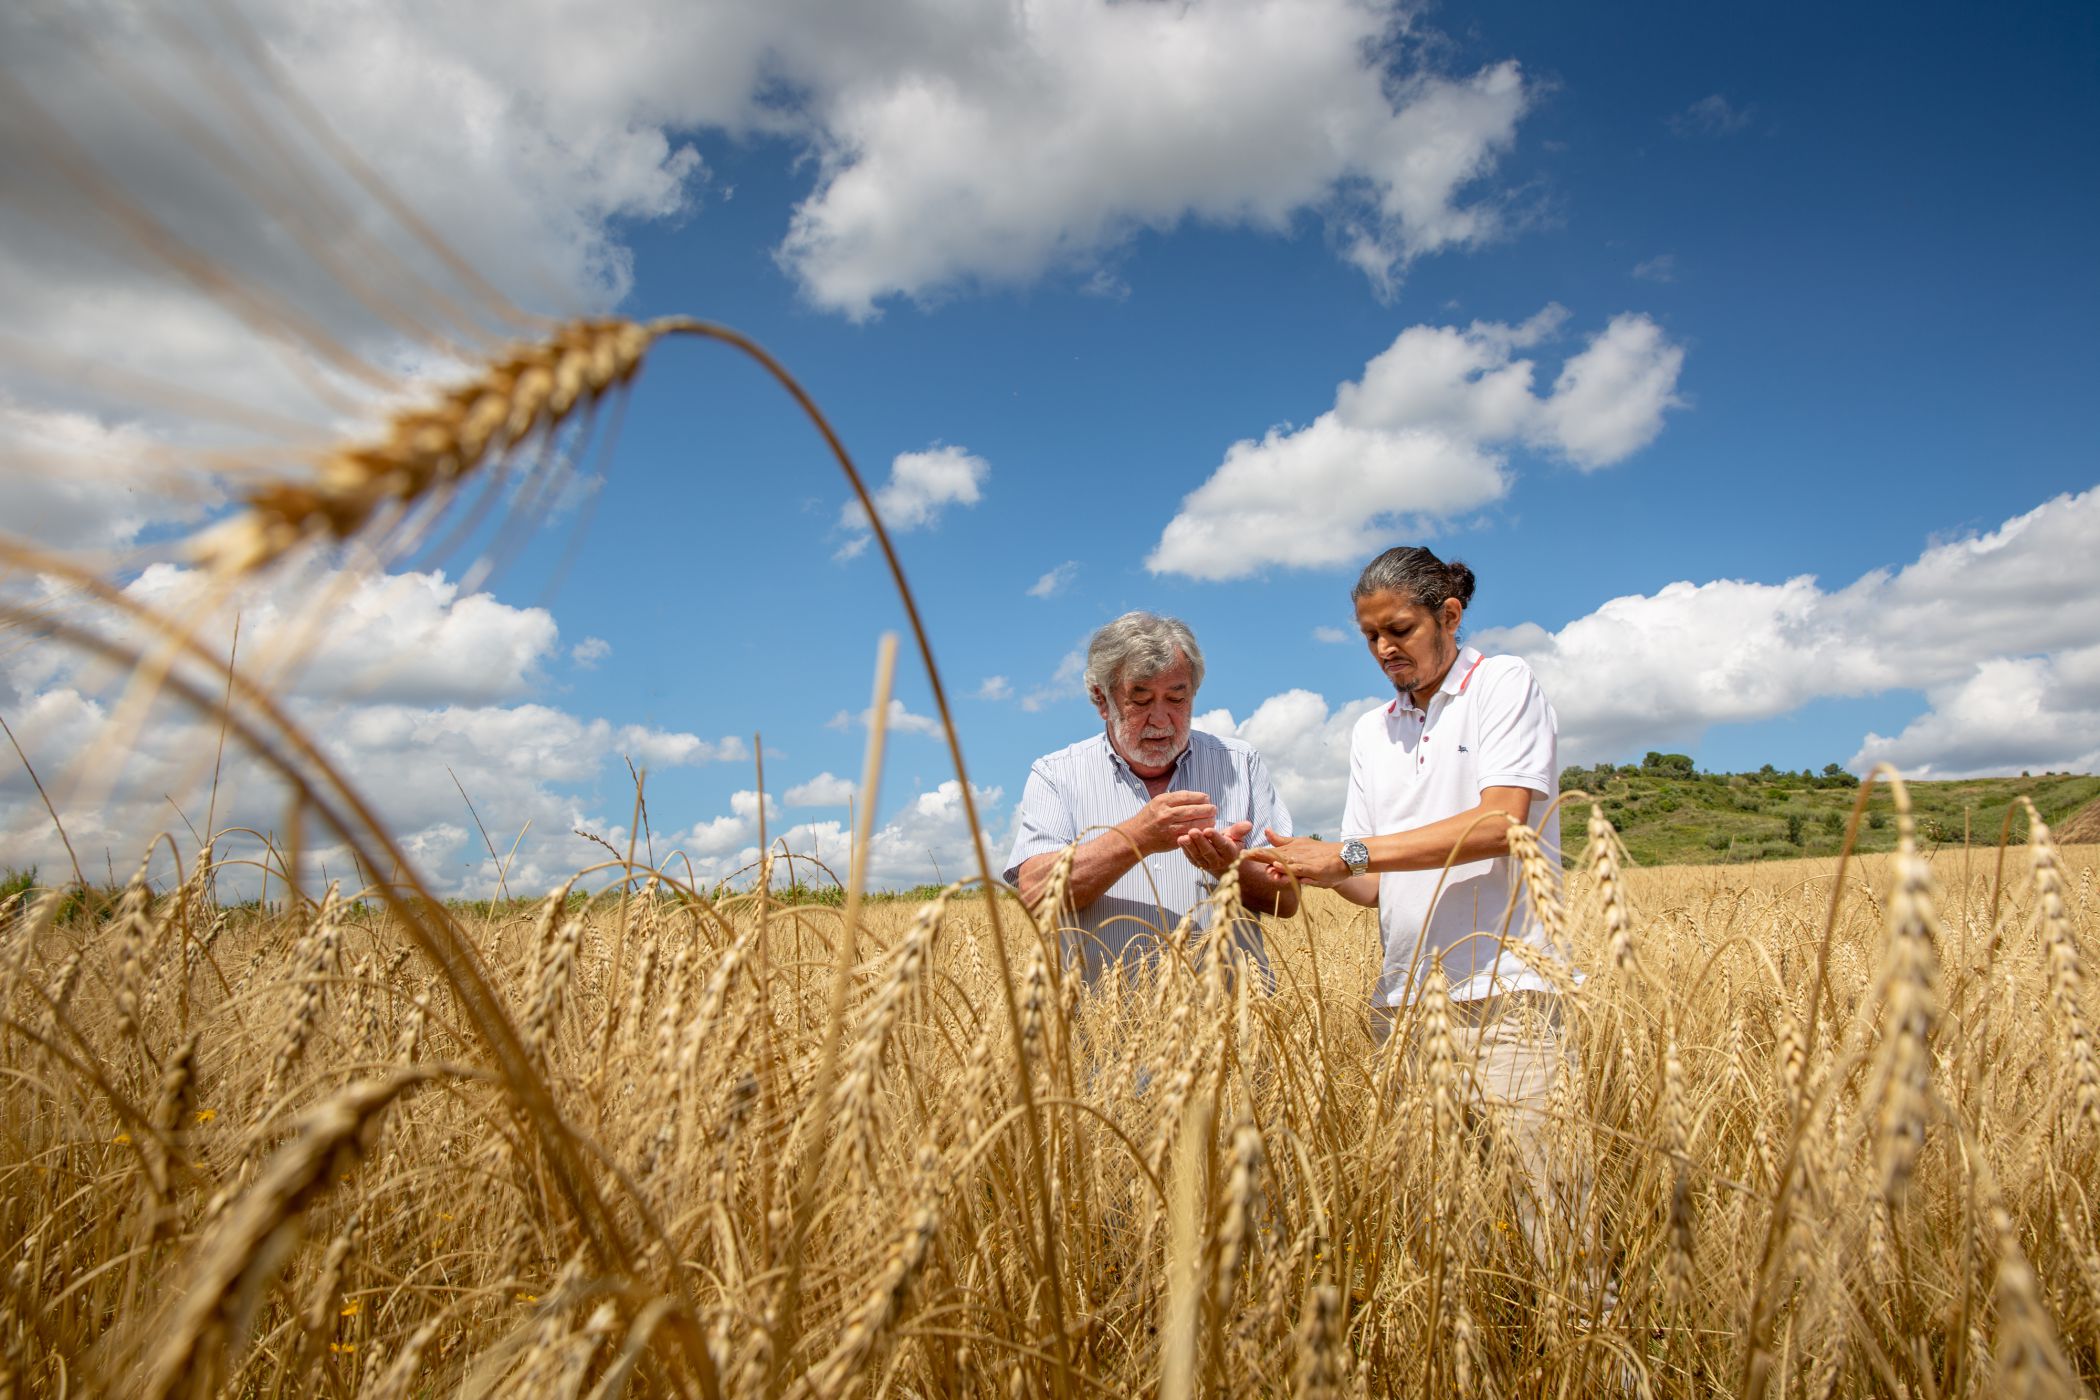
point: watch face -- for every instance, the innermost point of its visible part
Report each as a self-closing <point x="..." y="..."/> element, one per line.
<point x="1356" y="855"/>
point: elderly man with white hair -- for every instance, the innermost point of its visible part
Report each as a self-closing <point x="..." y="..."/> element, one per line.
<point x="1158" y="810"/>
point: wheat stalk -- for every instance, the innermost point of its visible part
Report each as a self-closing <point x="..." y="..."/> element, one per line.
<point x="222" y="1286"/>
<point x="854" y="1101"/>
<point x="1900" y="1091"/>
<point x="885" y="1303"/>
<point x="561" y="931"/>
<point x="1540" y="874"/>
<point x="1242" y="1203"/>
<point x="324" y="944"/>
<point x="1320" y="1374"/>
<point x="2066" y="977"/>
<point x="432" y="446"/>
<point x="394" y="1381"/>
<point x="131" y="931"/>
<point x="171" y="1115"/>
<point x="1602" y="855"/>
<point x="1674" y="1118"/>
<point x="2030" y="1364"/>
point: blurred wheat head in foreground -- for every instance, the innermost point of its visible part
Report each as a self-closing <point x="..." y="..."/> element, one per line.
<point x="1839" y="1121"/>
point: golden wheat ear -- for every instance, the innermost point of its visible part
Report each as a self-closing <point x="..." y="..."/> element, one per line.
<point x="425" y="452"/>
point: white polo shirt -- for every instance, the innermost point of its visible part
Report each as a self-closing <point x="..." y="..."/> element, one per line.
<point x="1487" y="726"/>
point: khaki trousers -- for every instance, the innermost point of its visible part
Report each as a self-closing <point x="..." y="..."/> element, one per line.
<point x="1510" y="1048"/>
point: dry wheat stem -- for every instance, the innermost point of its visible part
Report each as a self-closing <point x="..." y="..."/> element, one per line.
<point x="220" y="1290"/>
<point x="2065" y="975"/>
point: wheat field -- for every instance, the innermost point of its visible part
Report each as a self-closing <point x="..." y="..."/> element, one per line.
<point x="267" y="1151"/>
<point x="1839" y="1124"/>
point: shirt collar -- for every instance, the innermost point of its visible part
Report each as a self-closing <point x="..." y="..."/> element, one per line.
<point x="1461" y="672"/>
<point x="1455" y="680"/>
<point x="1122" y="765"/>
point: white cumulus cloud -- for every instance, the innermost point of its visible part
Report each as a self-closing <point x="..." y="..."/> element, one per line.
<point x="1993" y="628"/>
<point x="1608" y="402"/>
<point x="524" y="158"/>
<point x="73" y="481"/>
<point x="1660" y="268"/>
<point x="954" y="143"/>
<point x="825" y="790"/>
<point x="921" y="485"/>
<point x="1055" y="581"/>
<point x="2012" y="713"/>
<point x="1066" y="683"/>
<point x="413" y="688"/>
<point x="410" y="636"/>
<point x="530" y="769"/>
<point x="1026" y="138"/>
<point x="1421" y="437"/>
<point x="924" y="840"/>
<point x="1306" y="747"/>
<point x="901" y="720"/>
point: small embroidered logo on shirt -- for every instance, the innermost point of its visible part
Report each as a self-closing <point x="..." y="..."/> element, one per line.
<point x="1463" y="749"/>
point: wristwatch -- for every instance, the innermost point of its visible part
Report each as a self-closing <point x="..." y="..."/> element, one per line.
<point x="1356" y="855"/>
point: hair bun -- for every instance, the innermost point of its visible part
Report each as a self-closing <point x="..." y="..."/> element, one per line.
<point x="1459" y="580"/>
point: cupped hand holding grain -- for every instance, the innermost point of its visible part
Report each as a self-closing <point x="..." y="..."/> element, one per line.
<point x="1161" y="823"/>
<point x="1213" y="850"/>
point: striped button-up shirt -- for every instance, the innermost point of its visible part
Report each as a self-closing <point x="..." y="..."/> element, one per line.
<point x="1077" y="792"/>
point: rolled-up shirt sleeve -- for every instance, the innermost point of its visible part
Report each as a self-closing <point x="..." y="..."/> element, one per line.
<point x="1517" y="738"/>
<point x="1046" y="823"/>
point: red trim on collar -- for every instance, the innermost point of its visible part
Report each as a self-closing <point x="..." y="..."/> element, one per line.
<point x="1393" y="705"/>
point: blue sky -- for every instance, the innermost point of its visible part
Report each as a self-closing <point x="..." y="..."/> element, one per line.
<point x="1803" y="296"/>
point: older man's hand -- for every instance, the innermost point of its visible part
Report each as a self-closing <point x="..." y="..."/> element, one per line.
<point x="1161" y="823"/>
<point x="1213" y="851"/>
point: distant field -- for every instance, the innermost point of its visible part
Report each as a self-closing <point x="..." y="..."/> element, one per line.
<point x="1729" y="818"/>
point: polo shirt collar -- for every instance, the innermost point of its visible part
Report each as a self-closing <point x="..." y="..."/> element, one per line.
<point x="1461" y="671"/>
<point x="1455" y="680"/>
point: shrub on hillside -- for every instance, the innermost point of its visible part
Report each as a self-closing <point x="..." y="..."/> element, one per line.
<point x="17" y="882"/>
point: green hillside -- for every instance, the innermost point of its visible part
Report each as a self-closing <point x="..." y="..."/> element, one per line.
<point x="1668" y="813"/>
